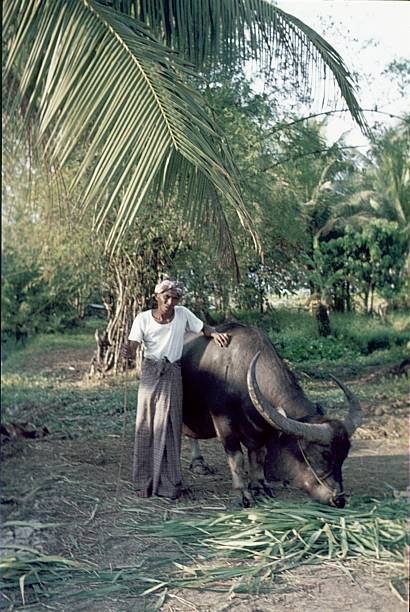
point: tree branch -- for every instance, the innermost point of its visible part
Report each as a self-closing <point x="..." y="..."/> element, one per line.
<point x="316" y="152"/>
<point x="282" y="126"/>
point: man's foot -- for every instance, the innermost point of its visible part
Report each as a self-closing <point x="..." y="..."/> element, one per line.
<point x="144" y="494"/>
<point x="178" y="491"/>
<point x="172" y="497"/>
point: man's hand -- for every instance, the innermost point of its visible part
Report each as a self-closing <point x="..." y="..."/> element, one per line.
<point x="221" y="339"/>
<point x="128" y="349"/>
<point x="124" y="351"/>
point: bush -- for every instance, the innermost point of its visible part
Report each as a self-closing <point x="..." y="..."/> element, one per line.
<point x="366" y="335"/>
<point x="28" y="304"/>
<point x="296" y="337"/>
<point x="312" y="349"/>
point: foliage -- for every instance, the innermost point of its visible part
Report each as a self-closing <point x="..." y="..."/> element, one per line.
<point x="28" y="303"/>
<point x="353" y="335"/>
<point x="382" y="187"/>
<point x="275" y="214"/>
<point x="48" y="255"/>
<point x="360" y="262"/>
<point x="48" y="277"/>
<point x="101" y="84"/>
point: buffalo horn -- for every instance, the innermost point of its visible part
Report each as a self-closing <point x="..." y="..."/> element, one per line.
<point x="308" y="431"/>
<point x="355" y="417"/>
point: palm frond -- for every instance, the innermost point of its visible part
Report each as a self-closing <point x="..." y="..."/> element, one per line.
<point x="101" y="80"/>
<point x="104" y="86"/>
<point x="208" y="30"/>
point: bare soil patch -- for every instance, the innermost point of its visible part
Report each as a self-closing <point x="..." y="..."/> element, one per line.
<point x="73" y="483"/>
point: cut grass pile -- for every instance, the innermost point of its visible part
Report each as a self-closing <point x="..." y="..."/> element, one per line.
<point x="277" y="536"/>
<point x="39" y="577"/>
<point x="241" y="551"/>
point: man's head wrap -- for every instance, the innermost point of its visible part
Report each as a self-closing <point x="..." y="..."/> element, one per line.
<point x="169" y="285"/>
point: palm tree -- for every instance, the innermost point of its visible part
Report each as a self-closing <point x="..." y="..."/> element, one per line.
<point x="382" y="189"/>
<point x="115" y="84"/>
<point x="389" y="176"/>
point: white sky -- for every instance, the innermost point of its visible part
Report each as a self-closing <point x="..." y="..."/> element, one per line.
<point x="368" y="35"/>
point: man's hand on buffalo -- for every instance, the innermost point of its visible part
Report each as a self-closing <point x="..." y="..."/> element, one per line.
<point x="220" y="338"/>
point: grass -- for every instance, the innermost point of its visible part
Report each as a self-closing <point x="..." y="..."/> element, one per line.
<point x="42" y="398"/>
<point x="240" y="551"/>
<point x="81" y="337"/>
<point x="275" y="537"/>
<point x="63" y="408"/>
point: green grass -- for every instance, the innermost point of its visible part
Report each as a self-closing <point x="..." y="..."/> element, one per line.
<point x="15" y="355"/>
<point x="65" y="408"/>
<point x="240" y="551"/>
<point x="285" y="534"/>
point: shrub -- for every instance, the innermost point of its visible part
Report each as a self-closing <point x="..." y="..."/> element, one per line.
<point x="28" y="303"/>
<point x="366" y="335"/>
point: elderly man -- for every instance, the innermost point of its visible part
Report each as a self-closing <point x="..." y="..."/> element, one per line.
<point x="157" y="450"/>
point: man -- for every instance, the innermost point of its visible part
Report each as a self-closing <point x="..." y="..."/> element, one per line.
<point x="157" y="450"/>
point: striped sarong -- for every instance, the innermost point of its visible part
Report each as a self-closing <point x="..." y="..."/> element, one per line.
<point x="157" y="449"/>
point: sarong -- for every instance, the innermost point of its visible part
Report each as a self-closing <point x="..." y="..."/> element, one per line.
<point x="158" y="431"/>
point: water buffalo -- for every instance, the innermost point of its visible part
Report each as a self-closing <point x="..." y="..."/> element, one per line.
<point x="245" y="394"/>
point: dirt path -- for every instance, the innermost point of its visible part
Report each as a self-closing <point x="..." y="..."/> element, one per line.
<point x="73" y="481"/>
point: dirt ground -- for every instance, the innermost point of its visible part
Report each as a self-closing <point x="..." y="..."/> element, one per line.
<point x="74" y="481"/>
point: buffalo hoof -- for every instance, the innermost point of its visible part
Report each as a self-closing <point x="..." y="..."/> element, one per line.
<point x="262" y="490"/>
<point x="198" y="466"/>
<point x="248" y="499"/>
<point x="268" y="491"/>
<point x="244" y="499"/>
<point x="237" y="504"/>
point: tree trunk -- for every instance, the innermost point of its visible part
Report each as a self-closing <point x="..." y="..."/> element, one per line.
<point x="123" y="299"/>
<point x="129" y="279"/>
<point x="323" y="320"/>
<point x="371" y="299"/>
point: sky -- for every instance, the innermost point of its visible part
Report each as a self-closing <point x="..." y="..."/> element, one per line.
<point x="368" y="35"/>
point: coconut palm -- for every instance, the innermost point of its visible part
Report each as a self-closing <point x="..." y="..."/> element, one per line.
<point x="382" y="189"/>
<point x="114" y="84"/>
<point x="389" y="176"/>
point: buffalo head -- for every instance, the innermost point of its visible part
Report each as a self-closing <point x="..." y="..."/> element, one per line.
<point x="312" y="449"/>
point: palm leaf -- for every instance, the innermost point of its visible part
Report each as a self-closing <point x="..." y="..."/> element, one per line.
<point x="102" y="80"/>
<point x="228" y="30"/>
<point x="99" y="81"/>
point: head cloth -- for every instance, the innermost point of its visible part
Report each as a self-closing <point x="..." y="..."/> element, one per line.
<point x="169" y="285"/>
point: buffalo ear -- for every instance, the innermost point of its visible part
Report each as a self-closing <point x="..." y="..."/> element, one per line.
<point x="282" y="411"/>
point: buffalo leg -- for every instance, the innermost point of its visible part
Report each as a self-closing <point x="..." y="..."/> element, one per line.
<point x="257" y="482"/>
<point x="235" y="458"/>
<point x="237" y="466"/>
<point x="198" y="464"/>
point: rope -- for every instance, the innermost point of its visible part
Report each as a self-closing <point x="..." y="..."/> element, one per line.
<point x="320" y="480"/>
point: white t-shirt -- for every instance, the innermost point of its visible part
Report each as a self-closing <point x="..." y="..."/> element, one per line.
<point x="164" y="340"/>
